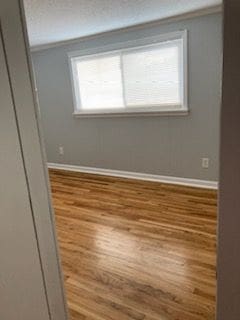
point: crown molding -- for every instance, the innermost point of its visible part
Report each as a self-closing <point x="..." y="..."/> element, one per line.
<point x="184" y="16"/>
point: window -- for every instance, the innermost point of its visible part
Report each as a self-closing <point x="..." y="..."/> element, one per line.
<point x="148" y="78"/>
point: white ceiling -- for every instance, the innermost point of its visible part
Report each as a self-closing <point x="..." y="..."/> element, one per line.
<point x="51" y="21"/>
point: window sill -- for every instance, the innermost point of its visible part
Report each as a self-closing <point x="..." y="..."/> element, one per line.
<point x="124" y="113"/>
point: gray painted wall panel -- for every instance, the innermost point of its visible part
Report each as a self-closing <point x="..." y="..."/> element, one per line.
<point x="159" y="145"/>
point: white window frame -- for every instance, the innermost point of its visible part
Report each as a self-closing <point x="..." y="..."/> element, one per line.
<point x="129" y="46"/>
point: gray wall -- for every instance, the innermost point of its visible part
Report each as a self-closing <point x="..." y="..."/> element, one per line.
<point x="162" y="145"/>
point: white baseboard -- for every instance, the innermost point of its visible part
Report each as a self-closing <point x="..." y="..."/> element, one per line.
<point x="139" y="176"/>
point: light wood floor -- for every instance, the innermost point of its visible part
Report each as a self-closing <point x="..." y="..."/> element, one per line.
<point x="134" y="250"/>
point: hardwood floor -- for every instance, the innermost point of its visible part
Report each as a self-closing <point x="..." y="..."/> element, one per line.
<point x="134" y="250"/>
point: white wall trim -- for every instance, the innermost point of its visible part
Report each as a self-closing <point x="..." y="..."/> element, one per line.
<point x="136" y="175"/>
<point x="184" y="16"/>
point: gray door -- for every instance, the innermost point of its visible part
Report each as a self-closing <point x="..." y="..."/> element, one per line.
<point x="21" y="281"/>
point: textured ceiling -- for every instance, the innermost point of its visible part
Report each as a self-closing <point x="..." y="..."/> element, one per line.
<point x="51" y="21"/>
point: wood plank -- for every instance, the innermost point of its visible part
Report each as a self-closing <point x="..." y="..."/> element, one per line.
<point x="134" y="250"/>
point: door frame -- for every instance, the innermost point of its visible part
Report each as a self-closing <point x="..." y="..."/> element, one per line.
<point x="34" y="158"/>
<point x="228" y="253"/>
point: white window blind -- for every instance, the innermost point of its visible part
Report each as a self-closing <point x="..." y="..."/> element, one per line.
<point x="100" y="83"/>
<point x="152" y="75"/>
<point x="145" y="78"/>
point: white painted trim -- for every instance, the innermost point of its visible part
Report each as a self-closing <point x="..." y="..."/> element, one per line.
<point x="135" y="113"/>
<point x="138" y="176"/>
<point x="119" y="48"/>
<point x="184" y="16"/>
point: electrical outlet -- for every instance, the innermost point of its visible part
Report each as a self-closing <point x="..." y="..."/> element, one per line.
<point x="61" y="151"/>
<point x="205" y="163"/>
